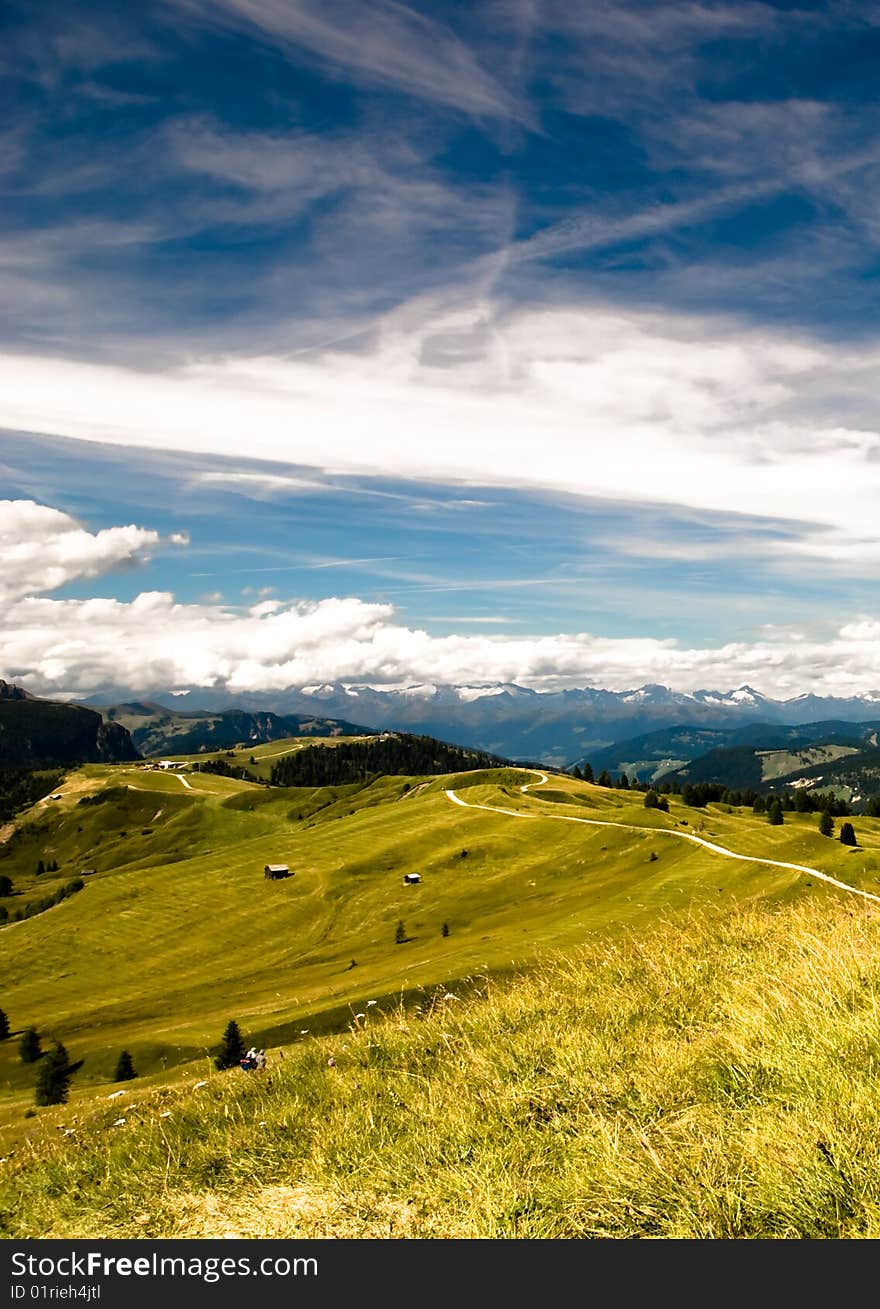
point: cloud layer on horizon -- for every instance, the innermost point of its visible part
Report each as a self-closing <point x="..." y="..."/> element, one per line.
<point x="152" y="643"/>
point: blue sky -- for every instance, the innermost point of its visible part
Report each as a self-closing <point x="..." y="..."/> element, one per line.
<point x="521" y="340"/>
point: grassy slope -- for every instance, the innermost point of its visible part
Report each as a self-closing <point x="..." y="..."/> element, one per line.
<point x="264" y="756"/>
<point x="178" y="931"/>
<point x="707" y="1078"/>
<point x="786" y="763"/>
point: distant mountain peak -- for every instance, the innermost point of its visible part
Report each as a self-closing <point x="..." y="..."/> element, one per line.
<point x="654" y="693"/>
<point x="555" y="726"/>
<point x="743" y="697"/>
<point x="746" y="694"/>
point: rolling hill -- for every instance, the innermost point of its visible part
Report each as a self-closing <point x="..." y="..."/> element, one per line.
<point x="852" y="772"/>
<point x="649" y="756"/>
<point x="672" y="750"/>
<point x="176" y="928"/>
<point x="637" y="1008"/>
<point x="712" y="1078"/>
<point x="156" y="730"/>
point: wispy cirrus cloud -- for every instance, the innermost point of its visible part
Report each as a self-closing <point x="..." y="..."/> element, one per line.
<point x="257" y="484"/>
<point x="383" y="43"/>
<point x="595" y="231"/>
<point x="637" y="408"/>
<point x="133" y="242"/>
<point x="624" y="252"/>
<point x="372" y="205"/>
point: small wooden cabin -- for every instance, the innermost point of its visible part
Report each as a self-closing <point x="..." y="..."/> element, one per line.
<point x="274" y="872"/>
<point x="411" y="878"/>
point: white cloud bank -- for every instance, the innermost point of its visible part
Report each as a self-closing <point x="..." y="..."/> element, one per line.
<point x="41" y="549"/>
<point x="630" y="406"/>
<point x="154" y="643"/>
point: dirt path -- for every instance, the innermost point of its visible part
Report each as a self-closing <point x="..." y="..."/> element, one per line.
<point x="663" y="831"/>
<point x="182" y="779"/>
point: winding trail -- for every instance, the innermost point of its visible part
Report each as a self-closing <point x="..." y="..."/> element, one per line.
<point x="661" y="831"/>
<point x="277" y="753"/>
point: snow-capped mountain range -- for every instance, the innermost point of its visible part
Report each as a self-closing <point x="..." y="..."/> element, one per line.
<point x="555" y="727"/>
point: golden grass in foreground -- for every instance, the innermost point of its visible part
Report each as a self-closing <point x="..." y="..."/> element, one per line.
<point x="714" y="1079"/>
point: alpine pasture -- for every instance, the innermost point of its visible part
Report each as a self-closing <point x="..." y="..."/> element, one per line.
<point x="560" y="943"/>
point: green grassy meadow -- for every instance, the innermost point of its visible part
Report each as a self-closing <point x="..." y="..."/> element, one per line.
<point x="176" y="931"/>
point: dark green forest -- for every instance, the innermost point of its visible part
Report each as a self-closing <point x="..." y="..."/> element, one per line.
<point x="401" y="755"/>
<point x="20" y="788"/>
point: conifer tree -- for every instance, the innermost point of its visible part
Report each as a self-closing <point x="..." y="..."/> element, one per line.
<point x="826" y="823"/>
<point x="848" y="835"/>
<point x="53" y="1078"/>
<point x="775" y="816"/>
<point x="587" y="773"/>
<point x="29" y="1047"/>
<point x="4" y="1025"/>
<point x="124" y="1068"/>
<point x="400" y="933"/>
<point x="444" y="930"/>
<point x="231" y="1048"/>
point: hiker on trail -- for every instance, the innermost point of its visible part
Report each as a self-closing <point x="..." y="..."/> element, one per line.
<point x="260" y="1059"/>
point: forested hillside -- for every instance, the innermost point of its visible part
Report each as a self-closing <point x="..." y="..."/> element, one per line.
<point x="157" y="730"/>
<point x="391" y="754"/>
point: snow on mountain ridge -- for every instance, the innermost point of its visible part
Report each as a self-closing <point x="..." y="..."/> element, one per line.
<point x="746" y="695"/>
<point x="653" y="693"/>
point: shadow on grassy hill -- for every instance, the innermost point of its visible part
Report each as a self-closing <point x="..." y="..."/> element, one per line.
<point x="711" y="1079"/>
